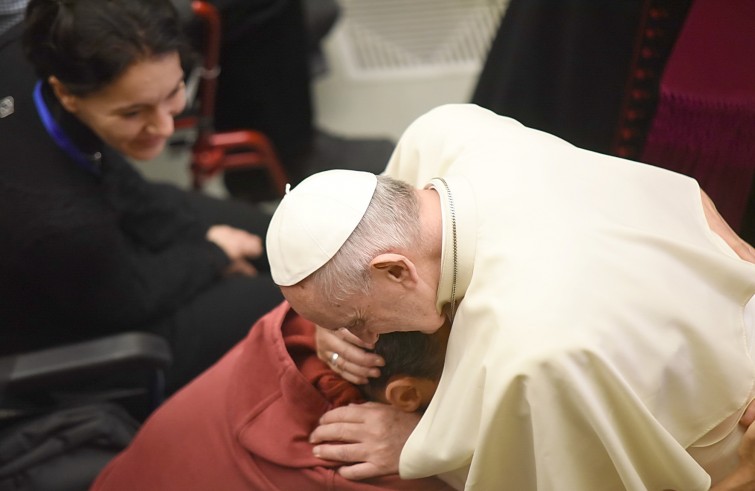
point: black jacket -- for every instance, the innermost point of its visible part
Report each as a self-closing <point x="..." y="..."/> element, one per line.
<point x="82" y="253"/>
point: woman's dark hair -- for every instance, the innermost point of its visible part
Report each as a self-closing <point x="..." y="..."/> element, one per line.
<point x="87" y="44"/>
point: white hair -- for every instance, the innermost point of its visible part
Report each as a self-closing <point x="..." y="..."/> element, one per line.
<point x="390" y="223"/>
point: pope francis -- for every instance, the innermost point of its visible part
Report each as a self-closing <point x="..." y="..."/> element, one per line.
<point x="602" y="323"/>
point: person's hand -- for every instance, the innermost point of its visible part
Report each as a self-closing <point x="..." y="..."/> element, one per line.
<point x="747" y="450"/>
<point x="718" y="225"/>
<point x="743" y="477"/>
<point x="368" y="436"/>
<point x="239" y="245"/>
<point x="240" y="267"/>
<point x="345" y="354"/>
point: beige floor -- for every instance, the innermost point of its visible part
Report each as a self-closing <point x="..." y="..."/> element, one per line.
<point x="351" y="105"/>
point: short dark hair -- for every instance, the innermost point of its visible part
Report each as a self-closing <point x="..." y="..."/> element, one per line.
<point x="412" y="354"/>
<point x="87" y="44"/>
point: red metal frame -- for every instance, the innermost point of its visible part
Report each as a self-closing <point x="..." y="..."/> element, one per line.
<point x="214" y="152"/>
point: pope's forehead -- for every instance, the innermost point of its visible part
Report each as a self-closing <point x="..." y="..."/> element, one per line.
<point x="299" y="296"/>
<point x="304" y="292"/>
<point x="312" y="304"/>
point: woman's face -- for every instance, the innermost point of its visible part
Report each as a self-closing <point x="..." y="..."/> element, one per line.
<point x="134" y="114"/>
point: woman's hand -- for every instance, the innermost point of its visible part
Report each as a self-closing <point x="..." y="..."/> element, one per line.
<point x="368" y="436"/>
<point x="346" y="354"/>
<point x="239" y="245"/>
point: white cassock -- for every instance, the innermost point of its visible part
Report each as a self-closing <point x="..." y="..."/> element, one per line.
<point x="601" y="342"/>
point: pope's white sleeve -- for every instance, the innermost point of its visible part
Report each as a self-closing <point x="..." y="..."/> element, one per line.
<point x="571" y="423"/>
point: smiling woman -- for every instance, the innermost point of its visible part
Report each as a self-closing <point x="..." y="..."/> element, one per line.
<point x="119" y="76"/>
<point x="134" y="114"/>
<point x="95" y="247"/>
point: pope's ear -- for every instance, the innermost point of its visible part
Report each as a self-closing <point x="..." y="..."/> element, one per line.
<point x="395" y="267"/>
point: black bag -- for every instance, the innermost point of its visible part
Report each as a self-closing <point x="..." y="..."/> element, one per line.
<point x="64" y="450"/>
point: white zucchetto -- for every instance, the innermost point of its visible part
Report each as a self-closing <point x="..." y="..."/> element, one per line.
<point x="313" y="221"/>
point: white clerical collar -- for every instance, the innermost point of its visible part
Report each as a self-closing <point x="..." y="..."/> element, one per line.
<point x="459" y="217"/>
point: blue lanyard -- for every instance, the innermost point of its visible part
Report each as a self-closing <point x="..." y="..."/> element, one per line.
<point x="59" y="136"/>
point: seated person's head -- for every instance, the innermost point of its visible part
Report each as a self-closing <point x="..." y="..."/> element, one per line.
<point x="116" y="66"/>
<point x="413" y="365"/>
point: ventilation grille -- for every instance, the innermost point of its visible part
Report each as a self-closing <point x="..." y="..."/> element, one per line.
<point x="390" y="37"/>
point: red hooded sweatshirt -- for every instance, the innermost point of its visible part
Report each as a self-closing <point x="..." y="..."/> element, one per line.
<point x="244" y="424"/>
